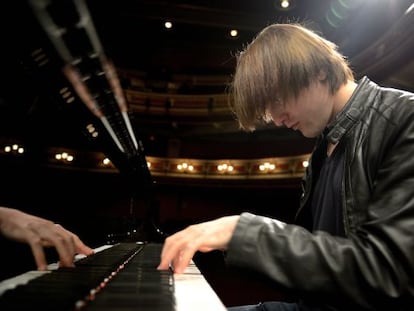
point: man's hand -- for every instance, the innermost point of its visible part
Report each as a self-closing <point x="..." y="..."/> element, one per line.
<point x="179" y="248"/>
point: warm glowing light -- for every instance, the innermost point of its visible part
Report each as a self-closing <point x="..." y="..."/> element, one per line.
<point x="64" y="156"/>
<point x="225" y="167"/>
<point x="185" y="167"/>
<point x="267" y="167"/>
<point x="234" y="33"/>
<point x="90" y="128"/>
<point x="284" y="4"/>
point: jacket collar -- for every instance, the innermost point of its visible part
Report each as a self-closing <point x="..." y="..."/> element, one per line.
<point x="347" y="117"/>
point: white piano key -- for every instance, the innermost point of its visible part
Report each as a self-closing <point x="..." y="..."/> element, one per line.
<point x="191" y="289"/>
<point x="193" y="292"/>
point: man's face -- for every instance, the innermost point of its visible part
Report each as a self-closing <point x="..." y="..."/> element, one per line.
<point x="309" y="113"/>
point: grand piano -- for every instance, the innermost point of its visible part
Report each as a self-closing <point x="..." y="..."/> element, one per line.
<point x="121" y="275"/>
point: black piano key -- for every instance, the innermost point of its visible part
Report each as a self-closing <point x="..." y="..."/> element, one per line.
<point x="122" y="277"/>
<point x="140" y="286"/>
<point x="58" y="289"/>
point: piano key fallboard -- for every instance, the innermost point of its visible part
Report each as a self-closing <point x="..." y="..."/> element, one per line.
<point x="118" y="277"/>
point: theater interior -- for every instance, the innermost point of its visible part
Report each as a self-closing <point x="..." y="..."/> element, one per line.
<point x="61" y="160"/>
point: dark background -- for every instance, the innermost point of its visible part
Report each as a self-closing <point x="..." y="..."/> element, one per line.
<point x="375" y="35"/>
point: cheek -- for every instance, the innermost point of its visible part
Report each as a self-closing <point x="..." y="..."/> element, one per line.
<point x="316" y="122"/>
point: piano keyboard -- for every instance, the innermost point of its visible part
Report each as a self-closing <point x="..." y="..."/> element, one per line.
<point x="119" y="277"/>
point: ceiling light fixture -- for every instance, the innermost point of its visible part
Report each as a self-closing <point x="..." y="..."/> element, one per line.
<point x="284" y="4"/>
<point x="168" y="25"/>
<point x="234" y="33"/>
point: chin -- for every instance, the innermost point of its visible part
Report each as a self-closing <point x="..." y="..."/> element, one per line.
<point x="310" y="135"/>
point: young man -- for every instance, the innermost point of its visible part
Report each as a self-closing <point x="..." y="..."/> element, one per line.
<point x="352" y="247"/>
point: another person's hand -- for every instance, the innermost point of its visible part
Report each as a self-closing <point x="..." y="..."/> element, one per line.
<point x="179" y="248"/>
<point x="39" y="233"/>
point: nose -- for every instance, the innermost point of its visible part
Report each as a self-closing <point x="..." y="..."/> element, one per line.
<point x="277" y="123"/>
<point x="280" y="120"/>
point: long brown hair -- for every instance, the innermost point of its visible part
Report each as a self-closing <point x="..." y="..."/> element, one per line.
<point x="282" y="60"/>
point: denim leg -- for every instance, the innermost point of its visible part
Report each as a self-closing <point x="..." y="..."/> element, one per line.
<point x="267" y="306"/>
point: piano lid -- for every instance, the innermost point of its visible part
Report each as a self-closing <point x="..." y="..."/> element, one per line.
<point x="93" y="81"/>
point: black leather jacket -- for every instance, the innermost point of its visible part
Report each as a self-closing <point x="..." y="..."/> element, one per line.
<point x="373" y="267"/>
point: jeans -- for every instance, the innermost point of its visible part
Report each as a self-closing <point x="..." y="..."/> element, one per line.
<point x="267" y="306"/>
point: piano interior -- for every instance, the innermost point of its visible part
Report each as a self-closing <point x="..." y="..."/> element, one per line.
<point x="62" y="90"/>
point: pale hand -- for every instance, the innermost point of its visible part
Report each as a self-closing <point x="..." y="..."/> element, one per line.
<point x="39" y="233"/>
<point x="179" y="248"/>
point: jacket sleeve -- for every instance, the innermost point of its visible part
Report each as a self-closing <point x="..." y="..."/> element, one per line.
<point x="307" y="264"/>
<point x="373" y="267"/>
